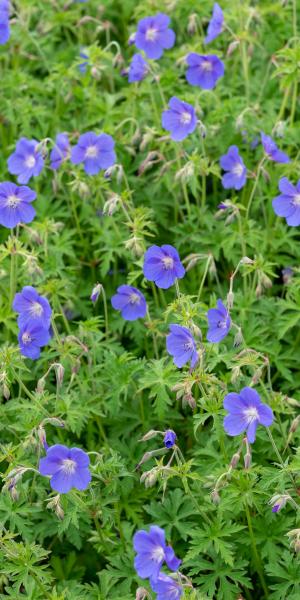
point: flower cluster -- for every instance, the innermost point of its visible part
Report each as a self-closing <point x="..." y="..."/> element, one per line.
<point x="34" y="321"/>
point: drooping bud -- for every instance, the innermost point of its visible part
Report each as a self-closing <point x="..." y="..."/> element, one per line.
<point x="149" y="478"/>
<point x="54" y="504"/>
<point x="278" y="501"/>
<point x="141" y="594"/>
<point x="170" y="438"/>
<point x="230" y="300"/>
<point x="215" y="497"/>
<point x="247" y="460"/>
<point x="232" y="46"/>
<point x="238" y="338"/>
<point x="192" y="24"/>
<point x="235" y="460"/>
<point x="148" y="436"/>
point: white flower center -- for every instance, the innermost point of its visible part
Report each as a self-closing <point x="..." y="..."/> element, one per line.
<point x="151" y="34"/>
<point x="36" y="309"/>
<point x="185" y="118"/>
<point x="206" y="65"/>
<point x="68" y="466"/>
<point x="296" y="200"/>
<point x="238" y="169"/>
<point x="30" y="161"/>
<point x="158" y="554"/>
<point x="26" y="339"/>
<point x="91" y="152"/>
<point x="13" y="201"/>
<point x="134" y="298"/>
<point x="251" y="414"/>
<point x="222" y="324"/>
<point x="168" y="262"/>
<point x="189" y="346"/>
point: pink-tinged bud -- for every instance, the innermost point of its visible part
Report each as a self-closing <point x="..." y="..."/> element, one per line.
<point x="232" y="47"/>
<point x="294" y="425"/>
<point x="189" y="400"/>
<point x="215" y="497"/>
<point x="149" y="478"/>
<point x="247" y="460"/>
<point x="42" y="437"/>
<point x="246" y="261"/>
<point x="60" y="371"/>
<point x="278" y="501"/>
<point x="238" y="338"/>
<point x="141" y="594"/>
<point x="235" y="460"/>
<point x="55" y="505"/>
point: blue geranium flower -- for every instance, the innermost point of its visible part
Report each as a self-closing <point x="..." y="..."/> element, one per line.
<point x="138" y="68"/>
<point x="204" y="71"/>
<point x="4" y="21"/>
<point x="272" y="151"/>
<point x="26" y="161"/>
<point x="287" y="204"/>
<point x="166" y="588"/>
<point x="15" y="204"/>
<point x="219" y="322"/>
<point x="163" y="265"/>
<point x="60" y="151"/>
<point x="180" y="119"/>
<point x="246" y="412"/>
<point x="236" y="171"/>
<point x="32" y="337"/>
<point x="181" y="345"/>
<point x="215" y="25"/>
<point x="152" y="552"/>
<point x="32" y="308"/>
<point x="96" y="152"/>
<point x="153" y="35"/>
<point x="67" y="467"/>
<point x="131" y="302"/>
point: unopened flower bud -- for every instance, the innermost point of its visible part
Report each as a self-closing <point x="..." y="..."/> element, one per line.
<point x="235" y="373"/>
<point x="189" y="400"/>
<point x="215" y="497"/>
<point x="257" y="376"/>
<point x="192" y="24"/>
<point x="96" y="291"/>
<point x="278" y="501"/>
<point x="230" y="299"/>
<point x="60" y="371"/>
<point x="111" y="205"/>
<point x="149" y="478"/>
<point x="247" y="460"/>
<point x="232" y="46"/>
<point x="235" y="460"/>
<point x="148" y="436"/>
<point x="246" y="261"/>
<point x="238" y="338"/>
<point x="170" y="438"/>
<point x="294" y="424"/>
<point x="5" y="391"/>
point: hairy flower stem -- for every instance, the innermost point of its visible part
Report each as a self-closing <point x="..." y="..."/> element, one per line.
<point x="177" y="289"/>
<point x="204" y="277"/>
<point x="153" y="335"/>
<point x="181" y="461"/>
<point x="255" y="552"/>
<point x="254" y="186"/>
<point x="103" y="294"/>
<point x="280" y="457"/>
<point x="13" y="270"/>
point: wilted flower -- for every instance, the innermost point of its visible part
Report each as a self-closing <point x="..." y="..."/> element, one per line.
<point x="204" y="71"/>
<point x="96" y="152"/>
<point x="32" y="336"/>
<point x="166" y="588"/>
<point x="163" y="265"/>
<point x="15" y="204"/>
<point x="219" y="322"/>
<point x="152" y="552"/>
<point x="288" y="203"/>
<point x="272" y="151"/>
<point x="180" y="119"/>
<point x="215" y="25"/>
<point x="233" y="163"/>
<point x="153" y="35"/>
<point x="181" y="345"/>
<point x="67" y="467"/>
<point x="138" y="68"/>
<point x="131" y="302"/>
<point x="32" y="307"/>
<point x="26" y="161"/>
<point x="170" y="438"/>
<point x="246" y="412"/>
<point x="60" y="151"/>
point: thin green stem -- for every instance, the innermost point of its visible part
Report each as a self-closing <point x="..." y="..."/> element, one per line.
<point x="255" y="552"/>
<point x="203" y="278"/>
<point x="153" y="335"/>
<point x="105" y="312"/>
<point x="254" y="187"/>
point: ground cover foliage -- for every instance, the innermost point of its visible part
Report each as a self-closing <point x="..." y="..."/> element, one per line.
<point x="103" y="382"/>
